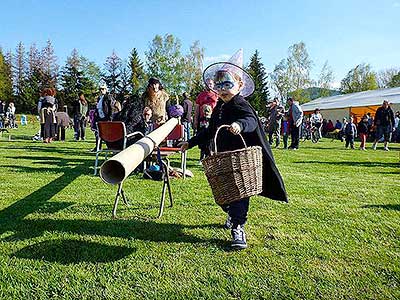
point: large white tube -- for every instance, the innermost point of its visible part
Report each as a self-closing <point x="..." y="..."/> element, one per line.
<point x="117" y="168"/>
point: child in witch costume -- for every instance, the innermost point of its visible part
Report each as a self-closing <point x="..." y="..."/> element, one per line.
<point x="232" y="84"/>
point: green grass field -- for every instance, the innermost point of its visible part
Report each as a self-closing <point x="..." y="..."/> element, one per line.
<point x="338" y="238"/>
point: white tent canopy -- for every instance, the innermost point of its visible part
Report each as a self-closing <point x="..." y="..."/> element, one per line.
<point x="341" y="105"/>
<point x="367" y="98"/>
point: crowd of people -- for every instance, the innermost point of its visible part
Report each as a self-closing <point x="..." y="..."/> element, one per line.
<point x="7" y="115"/>
<point x="280" y="123"/>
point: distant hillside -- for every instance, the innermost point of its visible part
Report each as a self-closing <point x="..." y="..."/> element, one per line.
<point x="309" y="94"/>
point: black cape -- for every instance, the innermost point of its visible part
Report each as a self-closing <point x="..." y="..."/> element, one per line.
<point x="240" y="111"/>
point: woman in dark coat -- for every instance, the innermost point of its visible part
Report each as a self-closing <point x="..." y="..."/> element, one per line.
<point x="48" y="115"/>
<point x="233" y="84"/>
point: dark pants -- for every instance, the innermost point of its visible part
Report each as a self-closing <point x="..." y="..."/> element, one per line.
<point x="237" y="211"/>
<point x="285" y="140"/>
<point x="60" y="133"/>
<point x="79" y="127"/>
<point x="294" y="133"/>
<point x="276" y="129"/>
<point x="350" y="140"/>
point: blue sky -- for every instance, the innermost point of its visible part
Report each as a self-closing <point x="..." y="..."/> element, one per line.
<point x="345" y="33"/>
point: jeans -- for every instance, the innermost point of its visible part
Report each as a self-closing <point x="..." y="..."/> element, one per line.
<point x="237" y="211"/>
<point x="277" y="131"/>
<point x="79" y="127"/>
<point x="295" y="133"/>
<point x="350" y="140"/>
<point x="60" y="133"/>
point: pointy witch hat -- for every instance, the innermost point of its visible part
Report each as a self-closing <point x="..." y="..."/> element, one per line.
<point x="235" y="66"/>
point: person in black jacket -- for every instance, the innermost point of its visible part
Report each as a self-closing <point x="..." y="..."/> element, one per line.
<point x="232" y="84"/>
<point x="363" y="131"/>
<point x="80" y="112"/>
<point x="384" y="124"/>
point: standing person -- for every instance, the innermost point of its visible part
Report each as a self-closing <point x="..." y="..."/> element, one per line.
<point x="204" y="146"/>
<point x="63" y="120"/>
<point x="103" y="109"/>
<point x="363" y="131"/>
<point x="48" y="115"/>
<point x="232" y="84"/>
<point x="80" y="111"/>
<point x="350" y="132"/>
<point x="295" y="120"/>
<point x="11" y="115"/>
<point x="384" y="123"/>
<point x="316" y="120"/>
<point x="285" y="131"/>
<point x="187" y="114"/>
<point x="155" y="97"/>
<point x="274" y="116"/>
<point x="206" y="97"/>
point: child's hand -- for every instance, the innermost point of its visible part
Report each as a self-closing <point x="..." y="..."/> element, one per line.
<point x="235" y="128"/>
<point x="184" y="146"/>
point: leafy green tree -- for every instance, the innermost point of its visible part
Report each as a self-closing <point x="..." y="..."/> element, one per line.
<point x="384" y="77"/>
<point x="361" y="78"/>
<point x="192" y="69"/>
<point x="299" y="66"/>
<point x="137" y="73"/>
<point x="260" y="96"/>
<point x="281" y="79"/>
<point x="92" y="78"/>
<point x="6" y="91"/>
<point x="165" y="61"/>
<point x="325" y="80"/>
<point x="395" y="81"/>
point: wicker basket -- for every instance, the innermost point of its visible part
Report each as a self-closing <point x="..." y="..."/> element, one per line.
<point x="234" y="175"/>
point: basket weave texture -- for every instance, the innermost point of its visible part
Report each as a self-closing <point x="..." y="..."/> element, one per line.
<point x="234" y="175"/>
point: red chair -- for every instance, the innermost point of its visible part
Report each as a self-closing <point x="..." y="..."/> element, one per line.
<point x="176" y="135"/>
<point x="113" y="134"/>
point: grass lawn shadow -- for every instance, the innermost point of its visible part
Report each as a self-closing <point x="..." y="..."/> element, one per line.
<point x="70" y="251"/>
<point x="353" y="163"/>
<point x="384" y="206"/>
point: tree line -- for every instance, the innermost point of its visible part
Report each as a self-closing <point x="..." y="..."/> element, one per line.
<point x="24" y="73"/>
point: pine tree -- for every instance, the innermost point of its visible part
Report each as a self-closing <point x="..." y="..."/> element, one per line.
<point x="5" y="78"/>
<point x="138" y="77"/>
<point x="72" y="77"/>
<point x="19" y="75"/>
<point x="49" y="66"/>
<point x="112" y="74"/>
<point x="125" y="87"/>
<point x="33" y="81"/>
<point x="260" y="96"/>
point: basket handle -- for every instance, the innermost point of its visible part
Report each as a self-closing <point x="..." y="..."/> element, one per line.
<point x="216" y="135"/>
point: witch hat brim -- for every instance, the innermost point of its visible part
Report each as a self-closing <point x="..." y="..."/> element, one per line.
<point x="210" y="72"/>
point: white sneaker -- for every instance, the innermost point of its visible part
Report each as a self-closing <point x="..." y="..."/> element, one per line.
<point x="386" y="148"/>
<point x="374" y="147"/>
<point x="238" y="238"/>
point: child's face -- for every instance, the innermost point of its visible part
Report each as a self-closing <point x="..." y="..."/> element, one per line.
<point x="227" y="86"/>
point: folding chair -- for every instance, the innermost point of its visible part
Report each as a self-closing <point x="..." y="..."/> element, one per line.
<point x="177" y="134"/>
<point x="113" y="134"/>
